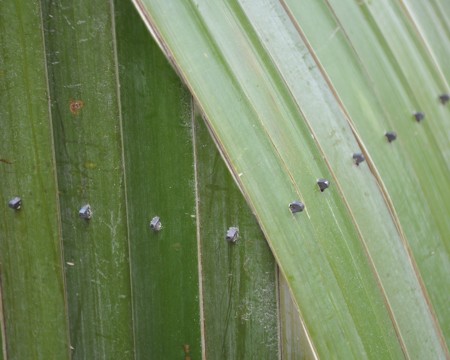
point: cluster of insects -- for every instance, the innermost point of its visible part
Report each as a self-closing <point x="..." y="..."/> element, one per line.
<point x="232" y="233"/>
<point x="297" y="206"/>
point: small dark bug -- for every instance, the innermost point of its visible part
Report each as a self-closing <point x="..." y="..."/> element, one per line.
<point x="419" y="116"/>
<point x="232" y="234"/>
<point x="15" y="203"/>
<point x="359" y="158"/>
<point x="296" y="206"/>
<point x="85" y="212"/>
<point x="444" y="98"/>
<point x="155" y="224"/>
<point x="323" y="184"/>
<point x="391" y="136"/>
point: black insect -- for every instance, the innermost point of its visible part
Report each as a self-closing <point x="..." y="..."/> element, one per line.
<point x="419" y="116"/>
<point x="232" y="234"/>
<point x="15" y="203"/>
<point x="296" y="206"/>
<point x="155" y="224"/>
<point x="444" y="98"/>
<point x="391" y="136"/>
<point x="358" y="158"/>
<point x="323" y="184"/>
<point x="85" y="212"/>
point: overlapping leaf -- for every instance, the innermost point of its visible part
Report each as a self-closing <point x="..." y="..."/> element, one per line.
<point x="280" y="126"/>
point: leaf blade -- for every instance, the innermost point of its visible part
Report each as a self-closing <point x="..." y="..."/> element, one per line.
<point x="32" y="279"/>
<point x="86" y="121"/>
<point x="385" y="107"/>
<point x="158" y="152"/>
<point x="225" y="140"/>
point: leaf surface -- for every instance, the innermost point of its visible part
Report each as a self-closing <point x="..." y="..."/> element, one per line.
<point x="32" y="272"/>
<point x="272" y="112"/>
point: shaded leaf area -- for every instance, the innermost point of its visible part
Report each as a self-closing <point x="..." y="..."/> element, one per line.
<point x="414" y="168"/>
<point x="32" y="280"/>
<point x="83" y="85"/>
<point x="294" y="339"/>
<point x="239" y="283"/>
<point x="318" y="250"/>
<point x="157" y="120"/>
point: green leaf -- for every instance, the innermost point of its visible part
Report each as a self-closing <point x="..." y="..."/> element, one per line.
<point x="85" y="107"/>
<point x="130" y="291"/>
<point x="280" y="127"/>
<point x="91" y="112"/>
<point x="158" y="152"/>
<point x="390" y="89"/>
<point x="239" y="291"/>
<point x="34" y="313"/>
<point x="433" y="26"/>
<point x="294" y="339"/>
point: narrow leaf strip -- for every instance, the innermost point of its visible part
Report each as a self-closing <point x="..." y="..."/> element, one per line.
<point x="31" y="268"/>
<point x="158" y="152"/>
<point x="86" y="122"/>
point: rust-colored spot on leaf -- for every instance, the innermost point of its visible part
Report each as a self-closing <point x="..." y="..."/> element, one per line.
<point x="187" y="350"/>
<point x="76" y="106"/>
<point x="6" y="161"/>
